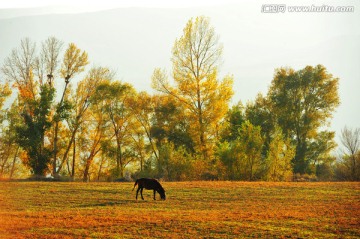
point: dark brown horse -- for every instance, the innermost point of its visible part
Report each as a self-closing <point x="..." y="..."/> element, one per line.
<point x="150" y="184"/>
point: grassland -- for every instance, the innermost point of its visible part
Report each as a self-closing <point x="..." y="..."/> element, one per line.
<point x="192" y="210"/>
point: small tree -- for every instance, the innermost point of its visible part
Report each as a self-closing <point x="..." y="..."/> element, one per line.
<point x="242" y="157"/>
<point x="280" y="154"/>
<point x="251" y="144"/>
<point x="174" y="164"/>
<point x="230" y="159"/>
<point x="350" y="138"/>
<point x="7" y="137"/>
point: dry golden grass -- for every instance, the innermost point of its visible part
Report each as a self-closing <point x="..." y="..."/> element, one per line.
<point x="192" y="210"/>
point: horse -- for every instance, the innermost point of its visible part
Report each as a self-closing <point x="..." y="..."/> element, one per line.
<point x="150" y="184"/>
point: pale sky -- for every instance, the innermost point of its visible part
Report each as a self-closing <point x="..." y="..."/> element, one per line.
<point x="93" y="5"/>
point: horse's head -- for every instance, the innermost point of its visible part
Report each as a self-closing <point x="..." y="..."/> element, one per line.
<point x="162" y="194"/>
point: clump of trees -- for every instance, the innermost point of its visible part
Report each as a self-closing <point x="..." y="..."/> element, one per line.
<point x="103" y="129"/>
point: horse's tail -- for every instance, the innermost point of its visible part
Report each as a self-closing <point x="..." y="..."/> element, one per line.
<point x="135" y="184"/>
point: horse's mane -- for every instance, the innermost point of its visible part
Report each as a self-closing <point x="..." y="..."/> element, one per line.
<point x="159" y="185"/>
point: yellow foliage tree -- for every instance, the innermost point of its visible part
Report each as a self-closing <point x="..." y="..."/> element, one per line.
<point x="74" y="62"/>
<point x="195" y="71"/>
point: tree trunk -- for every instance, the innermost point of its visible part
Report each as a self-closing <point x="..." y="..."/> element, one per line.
<point x="13" y="163"/>
<point x="5" y="158"/>
<point x="72" y="139"/>
<point x="87" y="168"/>
<point x="93" y="153"/>
<point x="201" y="123"/>
<point x="100" y="167"/>
<point x="300" y="163"/>
<point x="119" y="161"/>
<point x="55" y="172"/>
<point x="73" y="161"/>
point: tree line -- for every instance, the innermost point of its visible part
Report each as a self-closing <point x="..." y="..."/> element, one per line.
<point x="103" y="129"/>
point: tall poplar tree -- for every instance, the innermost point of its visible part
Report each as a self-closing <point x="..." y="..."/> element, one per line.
<point x="195" y="59"/>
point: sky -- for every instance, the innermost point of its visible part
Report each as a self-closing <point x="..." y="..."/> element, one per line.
<point x="255" y="43"/>
<point x="94" y="5"/>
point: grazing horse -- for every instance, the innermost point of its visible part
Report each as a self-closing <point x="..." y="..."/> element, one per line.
<point x="150" y="184"/>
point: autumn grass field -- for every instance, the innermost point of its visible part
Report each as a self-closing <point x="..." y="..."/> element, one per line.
<point x="192" y="210"/>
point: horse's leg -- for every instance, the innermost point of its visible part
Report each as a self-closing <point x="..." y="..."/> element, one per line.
<point x="137" y="191"/>
<point x="141" y="194"/>
<point x="154" y="194"/>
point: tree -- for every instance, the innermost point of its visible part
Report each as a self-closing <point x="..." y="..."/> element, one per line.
<point x="174" y="163"/>
<point x="320" y="154"/>
<point x="230" y="157"/>
<point x="350" y="138"/>
<point x="35" y="100"/>
<point x="5" y="92"/>
<point x="117" y="98"/>
<point x="260" y="113"/>
<point x="10" y="161"/>
<point x="18" y="66"/>
<point x="46" y="64"/>
<point x="91" y="136"/>
<point x="235" y="117"/>
<point x="251" y="144"/>
<point x="242" y="156"/>
<point x="170" y="125"/>
<point x="195" y="58"/>
<point x="303" y="101"/>
<point x="74" y="62"/>
<point x="280" y="154"/>
<point x="7" y="133"/>
<point x="81" y="101"/>
<point x="143" y="108"/>
<point x="31" y="134"/>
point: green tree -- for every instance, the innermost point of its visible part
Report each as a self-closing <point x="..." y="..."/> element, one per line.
<point x="117" y="97"/>
<point x="261" y="114"/>
<point x="12" y="164"/>
<point x="319" y="154"/>
<point x="31" y="134"/>
<point x="35" y="99"/>
<point x="230" y="157"/>
<point x="303" y="102"/>
<point x="251" y="143"/>
<point x="170" y="125"/>
<point x="235" y="117"/>
<point x="174" y="163"/>
<point x="242" y="157"/>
